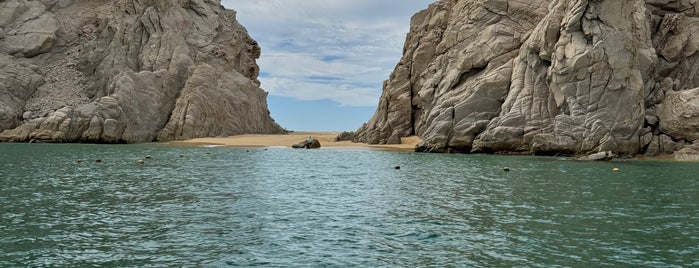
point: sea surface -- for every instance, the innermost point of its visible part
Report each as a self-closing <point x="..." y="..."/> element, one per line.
<point x="334" y="207"/>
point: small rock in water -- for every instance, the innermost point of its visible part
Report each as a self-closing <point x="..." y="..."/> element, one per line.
<point x="506" y="169"/>
<point x="140" y="162"/>
<point x="148" y="157"/>
<point x="616" y="169"/>
<point x="78" y="161"/>
<point x="98" y="160"/>
<point x="397" y="167"/>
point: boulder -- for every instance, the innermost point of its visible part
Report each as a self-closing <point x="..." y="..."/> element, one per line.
<point x="661" y="145"/>
<point x="601" y="156"/>
<point x="345" y="136"/>
<point x="313" y="144"/>
<point x="689" y="153"/>
<point x="679" y="114"/>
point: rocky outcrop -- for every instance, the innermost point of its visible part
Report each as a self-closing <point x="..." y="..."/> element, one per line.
<point x="601" y="156"/>
<point x="545" y="77"/>
<point x="689" y="153"/>
<point x="307" y="144"/>
<point x="345" y="136"/>
<point x="127" y="71"/>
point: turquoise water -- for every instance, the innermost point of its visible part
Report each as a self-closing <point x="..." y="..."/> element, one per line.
<point x="279" y="207"/>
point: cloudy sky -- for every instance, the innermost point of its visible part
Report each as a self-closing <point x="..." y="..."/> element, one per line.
<point x="324" y="61"/>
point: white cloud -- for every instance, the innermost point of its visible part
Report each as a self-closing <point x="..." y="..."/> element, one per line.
<point x="339" y="50"/>
<point x="343" y="93"/>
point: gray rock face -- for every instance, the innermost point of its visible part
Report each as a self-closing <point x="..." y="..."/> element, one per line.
<point x="18" y="81"/>
<point x="544" y="77"/>
<point x="127" y="71"/>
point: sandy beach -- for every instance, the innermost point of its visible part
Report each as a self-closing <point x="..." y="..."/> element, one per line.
<point x="327" y="140"/>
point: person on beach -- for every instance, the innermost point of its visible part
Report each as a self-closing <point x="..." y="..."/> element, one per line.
<point x="308" y="142"/>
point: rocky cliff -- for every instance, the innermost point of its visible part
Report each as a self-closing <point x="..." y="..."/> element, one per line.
<point x="129" y="71"/>
<point x="546" y="77"/>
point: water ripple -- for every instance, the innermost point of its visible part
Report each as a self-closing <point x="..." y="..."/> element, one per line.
<point x="280" y="207"/>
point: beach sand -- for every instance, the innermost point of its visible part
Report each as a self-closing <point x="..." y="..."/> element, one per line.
<point x="327" y="140"/>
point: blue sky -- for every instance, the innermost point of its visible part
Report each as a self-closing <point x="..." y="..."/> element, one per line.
<point x="324" y="61"/>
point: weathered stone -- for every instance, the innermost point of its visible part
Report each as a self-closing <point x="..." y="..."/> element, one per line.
<point x="690" y="153"/>
<point x="652" y="120"/>
<point x="31" y="32"/>
<point x="646" y="138"/>
<point x="544" y="77"/>
<point x="94" y="131"/>
<point x="345" y="136"/>
<point x="601" y="156"/>
<point x="127" y="71"/>
<point x="306" y="144"/>
<point x="662" y="145"/>
<point x="27" y="115"/>
<point x="679" y="114"/>
<point x="394" y="139"/>
<point x="239" y="107"/>
<point x="18" y="81"/>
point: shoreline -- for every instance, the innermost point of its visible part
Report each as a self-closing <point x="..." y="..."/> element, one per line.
<point x="326" y="139"/>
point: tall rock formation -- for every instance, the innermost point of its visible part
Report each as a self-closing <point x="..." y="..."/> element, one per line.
<point x="129" y="71"/>
<point x="546" y="77"/>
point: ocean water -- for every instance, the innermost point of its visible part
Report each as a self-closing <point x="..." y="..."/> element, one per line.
<point x="278" y="207"/>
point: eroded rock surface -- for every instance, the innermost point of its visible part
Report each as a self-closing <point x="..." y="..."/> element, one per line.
<point x="545" y="77"/>
<point x="127" y="71"/>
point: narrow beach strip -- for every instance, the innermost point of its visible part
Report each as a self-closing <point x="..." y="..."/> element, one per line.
<point x="327" y="140"/>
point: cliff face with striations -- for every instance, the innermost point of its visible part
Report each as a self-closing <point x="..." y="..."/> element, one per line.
<point x="127" y="71"/>
<point x="546" y="77"/>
